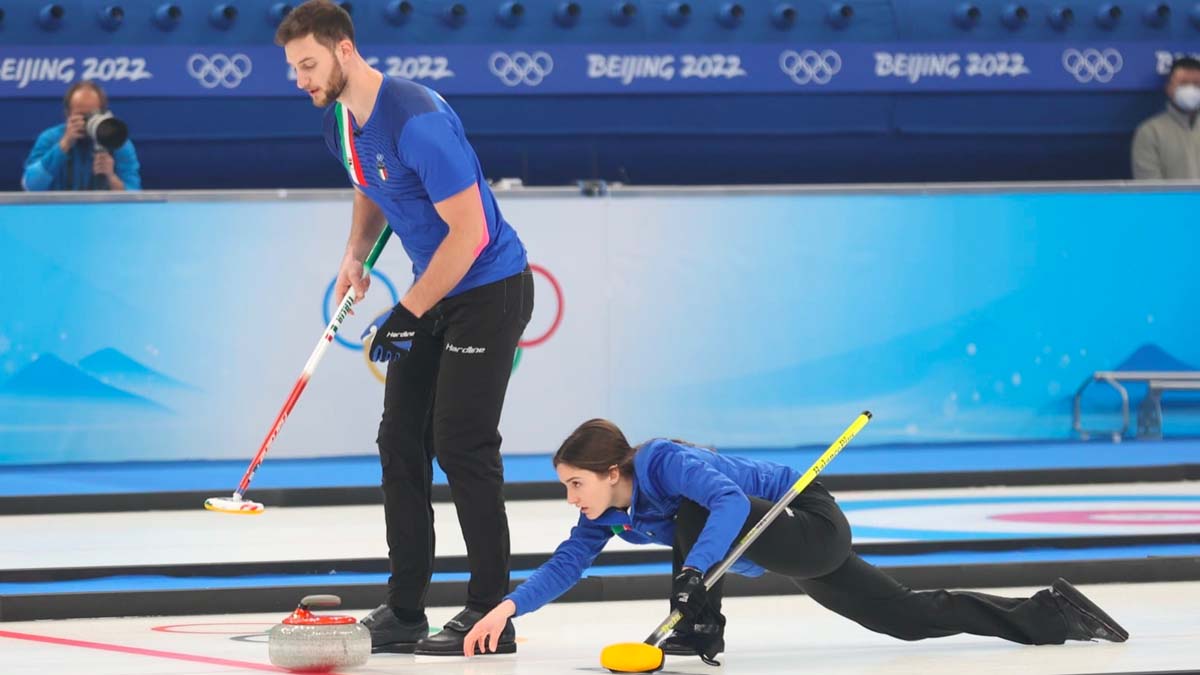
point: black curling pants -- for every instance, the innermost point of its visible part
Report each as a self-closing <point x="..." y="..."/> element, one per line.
<point x="810" y="542"/>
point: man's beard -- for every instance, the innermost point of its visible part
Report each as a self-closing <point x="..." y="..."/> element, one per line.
<point x="337" y="84"/>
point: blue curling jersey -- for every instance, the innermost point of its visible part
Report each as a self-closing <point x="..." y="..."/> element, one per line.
<point x="412" y="153"/>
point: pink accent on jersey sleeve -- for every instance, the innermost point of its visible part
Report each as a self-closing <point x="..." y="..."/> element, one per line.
<point x="483" y="239"/>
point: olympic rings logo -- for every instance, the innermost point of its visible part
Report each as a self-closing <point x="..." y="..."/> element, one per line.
<point x="1091" y="65"/>
<point x="520" y="67"/>
<point x="525" y="343"/>
<point x="559" y="305"/>
<point x="219" y="70"/>
<point x="810" y="66"/>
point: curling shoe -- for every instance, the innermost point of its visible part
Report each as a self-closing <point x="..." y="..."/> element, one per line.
<point x="1085" y="619"/>
<point x="449" y="641"/>
<point x="390" y="635"/>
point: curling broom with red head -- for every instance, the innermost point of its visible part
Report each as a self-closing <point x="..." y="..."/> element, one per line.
<point x="238" y="503"/>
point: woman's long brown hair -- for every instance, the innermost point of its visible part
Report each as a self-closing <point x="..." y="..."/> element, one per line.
<point x="597" y="445"/>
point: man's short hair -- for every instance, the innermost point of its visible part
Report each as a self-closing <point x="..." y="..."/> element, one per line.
<point x="84" y="84"/>
<point x="327" y="22"/>
<point x="1184" y="62"/>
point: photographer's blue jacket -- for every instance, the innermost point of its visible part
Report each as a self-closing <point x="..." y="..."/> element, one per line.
<point x="49" y="168"/>
<point x="665" y="472"/>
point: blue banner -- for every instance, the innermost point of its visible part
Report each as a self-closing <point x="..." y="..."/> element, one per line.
<point x="612" y="69"/>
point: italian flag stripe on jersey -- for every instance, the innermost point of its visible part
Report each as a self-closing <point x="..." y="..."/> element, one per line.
<point x="349" y="154"/>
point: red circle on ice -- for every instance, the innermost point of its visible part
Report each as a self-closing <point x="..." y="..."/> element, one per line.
<point x="1107" y="517"/>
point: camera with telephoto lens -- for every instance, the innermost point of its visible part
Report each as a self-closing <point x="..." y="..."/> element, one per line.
<point x="105" y="130"/>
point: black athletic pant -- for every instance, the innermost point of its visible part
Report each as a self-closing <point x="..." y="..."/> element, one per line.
<point x="443" y="400"/>
<point x="810" y="542"/>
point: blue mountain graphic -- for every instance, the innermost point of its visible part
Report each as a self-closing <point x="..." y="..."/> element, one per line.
<point x="112" y="365"/>
<point x="1152" y="357"/>
<point x="51" y="377"/>
<point x="1146" y="357"/>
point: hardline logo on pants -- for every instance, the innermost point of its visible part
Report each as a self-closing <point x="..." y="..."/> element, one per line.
<point x="455" y="349"/>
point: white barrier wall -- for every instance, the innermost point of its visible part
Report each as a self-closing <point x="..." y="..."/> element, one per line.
<point x="173" y="326"/>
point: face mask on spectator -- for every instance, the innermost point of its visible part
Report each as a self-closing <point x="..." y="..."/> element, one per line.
<point x="1187" y="97"/>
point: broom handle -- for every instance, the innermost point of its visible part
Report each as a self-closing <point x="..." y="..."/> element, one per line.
<point x="744" y="543"/>
<point x="331" y="330"/>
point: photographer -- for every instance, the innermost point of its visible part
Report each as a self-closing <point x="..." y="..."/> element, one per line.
<point x="90" y="151"/>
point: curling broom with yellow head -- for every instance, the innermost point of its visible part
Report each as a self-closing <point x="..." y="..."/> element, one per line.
<point x="645" y="656"/>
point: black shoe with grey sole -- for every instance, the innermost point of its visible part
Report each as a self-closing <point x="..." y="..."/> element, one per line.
<point x="676" y="645"/>
<point x="1085" y="619"/>
<point x="390" y="635"/>
<point x="449" y="641"/>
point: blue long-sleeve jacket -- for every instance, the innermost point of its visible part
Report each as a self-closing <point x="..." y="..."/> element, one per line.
<point x="665" y="473"/>
<point x="49" y="168"/>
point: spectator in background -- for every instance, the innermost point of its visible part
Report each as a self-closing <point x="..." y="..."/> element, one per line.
<point x="1168" y="144"/>
<point x="64" y="157"/>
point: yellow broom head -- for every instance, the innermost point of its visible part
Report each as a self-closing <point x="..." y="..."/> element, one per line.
<point x="632" y="657"/>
